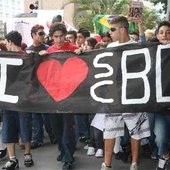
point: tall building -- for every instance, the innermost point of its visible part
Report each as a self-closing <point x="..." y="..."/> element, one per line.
<point x="8" y="9"/>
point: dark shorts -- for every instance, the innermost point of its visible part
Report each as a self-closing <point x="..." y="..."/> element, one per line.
<point x="15" y="125"/>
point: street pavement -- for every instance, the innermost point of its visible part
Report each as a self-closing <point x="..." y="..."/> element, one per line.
<point x="45" y="159"/>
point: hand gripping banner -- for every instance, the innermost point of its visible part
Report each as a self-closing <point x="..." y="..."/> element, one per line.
<point x="129" y="78"/>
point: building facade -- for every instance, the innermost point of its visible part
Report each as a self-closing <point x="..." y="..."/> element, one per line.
<point x="8" y="9"/>
<point x="54" y="5"/>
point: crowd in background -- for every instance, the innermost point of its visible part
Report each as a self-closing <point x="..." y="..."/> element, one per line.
<point x="27" y="129"/>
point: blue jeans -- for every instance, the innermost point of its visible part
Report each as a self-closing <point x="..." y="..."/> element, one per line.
<point x="37" y="124"/>
<point x="81" y="126"/>
<point x="64" y="128"/>
<point x="38" y="120"/>
<point x="16" y="124"/>
<point x="159" y="125"/>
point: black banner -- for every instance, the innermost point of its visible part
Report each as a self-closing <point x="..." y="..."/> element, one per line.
<point x="129" y="78"/>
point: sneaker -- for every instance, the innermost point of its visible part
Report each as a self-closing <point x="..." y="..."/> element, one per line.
<point x="35" y="145"/>
<point x="3" y="153"/>
<point x="91" y="151"/>
<point x="53" y="139"/>
<point x="86" y="147"/>
<point x="67" y="165"/>
<point x="59" y="157"/>
<point x="28" y="160"/>
<point x="162" y="164"/>
<point x="99" y="153"/>
<point x="104" y="167"/>
<point x="82" y="139"/>
<point x="134" y="167"/>
<point x="11" y="165"/>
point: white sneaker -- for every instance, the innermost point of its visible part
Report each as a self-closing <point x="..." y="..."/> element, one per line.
<point x="86" y="147"/>
<point x="99" y="153"/>
<point x="104" y="167"/>
<point x="91" y="151"/>
<point x="134" y="167"/>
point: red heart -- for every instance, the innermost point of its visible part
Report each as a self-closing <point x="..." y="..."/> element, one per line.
<point x="59" y="80"/>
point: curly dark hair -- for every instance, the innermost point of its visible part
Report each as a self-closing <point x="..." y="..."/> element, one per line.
<point x="57" y="26"/>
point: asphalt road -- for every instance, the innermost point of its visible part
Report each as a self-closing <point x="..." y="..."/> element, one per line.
<point x="45" y="159"/>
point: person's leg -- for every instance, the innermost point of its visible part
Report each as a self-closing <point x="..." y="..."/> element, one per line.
<point x="25" y="132"/>
<point x="57" y="126"/>
<point x="161" y="131"/>
<point x="68" y="140"/>
<point x="37" y="131"/>
<point x="113" y="127"/>
<point x="3" y="148"/>
<point x="125" y="144"/>
<point x="98" y="137"/>
<point x="135" y="150"/>
<point x="48" y="128"/>
<point x="10" y="137"/>
<point x="11" y="149"/>
<point x="138" y="126"/>
<point x="108" y="148"/>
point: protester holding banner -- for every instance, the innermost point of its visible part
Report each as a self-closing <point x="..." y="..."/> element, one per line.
<point x="160" y="123"/>
<point x="38" y="119"/>
<point x="63" y="124"/>
<point x="114" y="123"/>
<point x="16" y="123"/>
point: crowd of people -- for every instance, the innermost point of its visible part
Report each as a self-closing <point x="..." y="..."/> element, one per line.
<point x="115" y="133"/>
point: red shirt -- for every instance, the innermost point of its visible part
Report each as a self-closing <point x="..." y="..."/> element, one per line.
<point x="65" y="47"/>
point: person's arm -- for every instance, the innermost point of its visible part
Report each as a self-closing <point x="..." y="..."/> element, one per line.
<point x="142" y="37"/>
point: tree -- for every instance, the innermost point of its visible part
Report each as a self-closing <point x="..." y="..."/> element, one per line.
<point x="85" y="10"/>
<point x="165" y="2"/>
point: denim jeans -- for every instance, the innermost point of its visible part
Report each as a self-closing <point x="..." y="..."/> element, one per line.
<point x="64" y="129"/>
<point x="15" y="124"/>
<point x="38" y="120"/>
<point x="37" y="131"/>
<point x="81" y="126"/>
<point x="159" y="125"/>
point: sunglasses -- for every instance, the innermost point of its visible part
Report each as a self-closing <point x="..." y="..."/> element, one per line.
<point x="41" y="33"/>
<point x="113" y="29"/>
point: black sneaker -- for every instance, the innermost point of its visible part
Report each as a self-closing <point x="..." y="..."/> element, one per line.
<point x="67" y="165"/>
<point x="35" y="145"/>
<point x="162" y="164"/>
<point x="11" y="165"/>
<point x="53" y="139"/>
<point x="28" y="160"/>
<point x="3" y="153"/>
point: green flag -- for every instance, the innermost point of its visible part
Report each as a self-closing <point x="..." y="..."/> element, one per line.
<point x="101" y="23"/>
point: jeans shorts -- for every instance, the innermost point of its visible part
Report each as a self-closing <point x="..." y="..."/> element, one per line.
<point x="15" y="125"/>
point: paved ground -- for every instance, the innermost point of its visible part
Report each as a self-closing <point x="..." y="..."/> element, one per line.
<point x="45" y="159"/>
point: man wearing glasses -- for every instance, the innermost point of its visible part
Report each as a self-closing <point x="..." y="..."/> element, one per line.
<point x="38" y="119"/>
<point x="38" y="36"/>
<point x="114" y="123"/>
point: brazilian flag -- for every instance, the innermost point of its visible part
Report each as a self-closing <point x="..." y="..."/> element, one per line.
<point x="101" y="23"/>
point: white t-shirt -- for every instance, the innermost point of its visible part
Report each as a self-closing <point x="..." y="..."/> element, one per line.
<point x="116" y="43"/>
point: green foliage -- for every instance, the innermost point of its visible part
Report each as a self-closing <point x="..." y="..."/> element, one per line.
<point x="162" y="1"/>
<point x="86" y="10"/>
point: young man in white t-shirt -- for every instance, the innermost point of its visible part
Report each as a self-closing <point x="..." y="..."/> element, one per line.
<point x="114" y="122"/>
